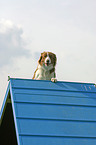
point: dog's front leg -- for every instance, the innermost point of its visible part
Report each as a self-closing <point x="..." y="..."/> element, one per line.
<point x="53" y="77"/>
<point x="54" y="80"/>
<point x="39" y="75"/>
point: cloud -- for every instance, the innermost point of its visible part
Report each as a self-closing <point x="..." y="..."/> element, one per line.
<point x="12" y="44"/>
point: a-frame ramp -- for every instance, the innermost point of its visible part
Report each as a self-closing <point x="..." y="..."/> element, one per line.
<point x="44" y="113"/>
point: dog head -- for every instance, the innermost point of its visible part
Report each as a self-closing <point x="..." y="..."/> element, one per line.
<point x="47" y="59"/>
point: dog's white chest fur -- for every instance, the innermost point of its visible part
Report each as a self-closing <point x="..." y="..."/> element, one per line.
<point x="43" y="74"/>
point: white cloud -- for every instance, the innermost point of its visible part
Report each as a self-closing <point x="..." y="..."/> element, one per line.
<point x="12" y="44"/>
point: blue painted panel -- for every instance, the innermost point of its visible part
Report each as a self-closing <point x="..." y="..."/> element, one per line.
<point x="40" y="84"/>
<point x="44" y="140"/>
<point x="51" y="99"/>
<point x="83" y="86"/>
<point x="46" y="113"/>
<point x="54" y="93"/>
<point x="56" y="128"/>
<point x="61" y="113"/>
<point x="55" y="112"/>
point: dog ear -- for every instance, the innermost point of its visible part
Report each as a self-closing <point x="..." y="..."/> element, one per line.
<point x="40" y="58"/>
<point x="55" y="59"/>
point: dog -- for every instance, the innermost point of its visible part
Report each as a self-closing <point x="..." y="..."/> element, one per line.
<point x="46" y="67"/>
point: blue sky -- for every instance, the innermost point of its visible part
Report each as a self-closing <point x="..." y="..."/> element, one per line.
<point x="65" y="27"/>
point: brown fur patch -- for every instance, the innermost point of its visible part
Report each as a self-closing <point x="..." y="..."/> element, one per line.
<point x="34" y="74"/>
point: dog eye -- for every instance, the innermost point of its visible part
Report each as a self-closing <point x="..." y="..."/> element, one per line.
<point x="45" y="55"/>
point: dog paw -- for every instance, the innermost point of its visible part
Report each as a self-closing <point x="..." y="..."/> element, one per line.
<point x="54" y="80"/>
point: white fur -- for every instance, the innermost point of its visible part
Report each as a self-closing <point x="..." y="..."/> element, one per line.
<point x="43" y="73"/>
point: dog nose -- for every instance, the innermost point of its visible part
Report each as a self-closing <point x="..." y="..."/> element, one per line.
<point x="47" y="60"/>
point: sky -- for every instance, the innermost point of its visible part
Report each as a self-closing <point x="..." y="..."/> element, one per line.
<point x="64" y="27"/>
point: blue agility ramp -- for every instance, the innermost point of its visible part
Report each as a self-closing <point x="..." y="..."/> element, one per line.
<point x="36" y="112"/>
